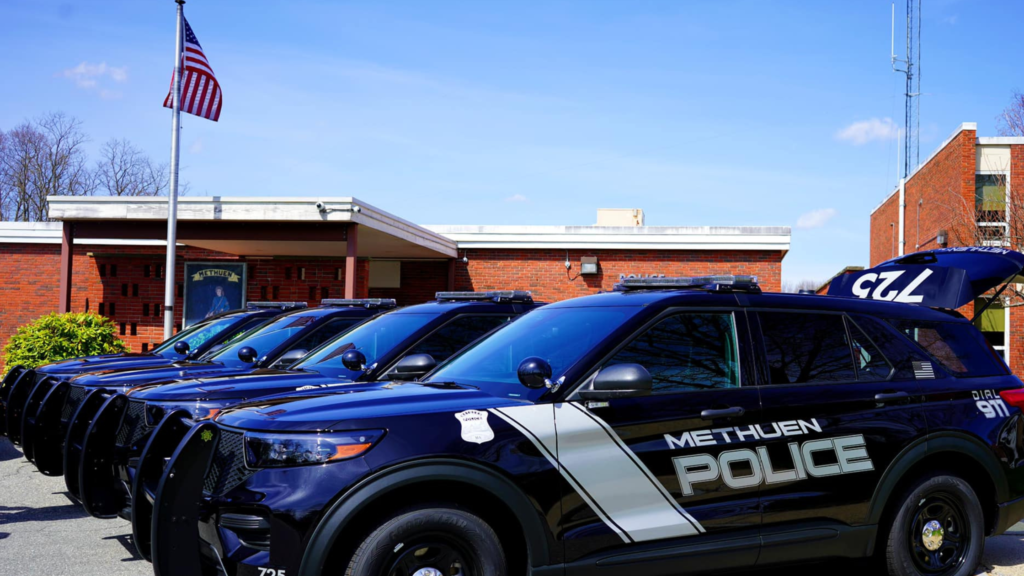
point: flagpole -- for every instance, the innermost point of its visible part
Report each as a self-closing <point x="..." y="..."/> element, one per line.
<point x="172" y="194"/>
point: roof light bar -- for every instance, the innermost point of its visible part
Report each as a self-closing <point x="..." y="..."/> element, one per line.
<point x="725" y="283"/>
<point x="282" y="305"/>
<point x="500" y="296"/>
<point x="364" y="302"/>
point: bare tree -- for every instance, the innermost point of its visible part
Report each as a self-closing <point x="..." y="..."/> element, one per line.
<point x="1011" y="120"/>
<point x="39" y="160"/>
<point x="124" y="170"/>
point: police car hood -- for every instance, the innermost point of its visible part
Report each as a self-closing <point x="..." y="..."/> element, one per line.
<point x="947" y="278"/>
<point x="236" y="388"/>
<point x="74" y="366"/>
<point x="332" y="411"/>
<point x="130" y="377"/>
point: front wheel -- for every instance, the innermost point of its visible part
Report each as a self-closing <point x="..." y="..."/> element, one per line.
<point x="939" y="530"/>
<point x="430" y="542"/>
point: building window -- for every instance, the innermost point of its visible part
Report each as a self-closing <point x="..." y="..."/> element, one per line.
<point x="103" y="270"/>
<point x="111" y="309"/>
<point x="145" y="271"/>
<point x="277" y="292"/>
<point x="263" y="292"/>
<point x="145" y="309"/>
<point x="135" y="289"/>
<point x="990" y="208"/>
<point x="113" y="270"/>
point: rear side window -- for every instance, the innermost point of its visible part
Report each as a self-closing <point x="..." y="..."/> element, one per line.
<point x="806" y="347"/>
<point x="957" y="346"/>
<point x="686" y="352"/>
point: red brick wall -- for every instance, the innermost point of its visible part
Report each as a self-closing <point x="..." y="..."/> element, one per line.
<point x="30" y="289"/>
<point x="946" y="187"/>
<point x="543" y="271"/>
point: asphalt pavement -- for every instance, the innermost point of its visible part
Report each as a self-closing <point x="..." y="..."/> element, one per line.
<point x="44" y="531"/>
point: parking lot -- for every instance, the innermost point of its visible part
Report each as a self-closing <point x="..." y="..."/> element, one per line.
<point x="42" y="531"/>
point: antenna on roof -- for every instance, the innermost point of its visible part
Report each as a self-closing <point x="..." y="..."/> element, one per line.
<point x="912" y="70"/>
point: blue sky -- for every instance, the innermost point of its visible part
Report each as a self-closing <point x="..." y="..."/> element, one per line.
<point x="700" y="112"/>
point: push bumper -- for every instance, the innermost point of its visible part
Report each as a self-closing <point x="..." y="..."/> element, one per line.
<point x="5" y="390"/>
<point x="14" y="406"/>
<point x="48" y="431"/>
<point x="116" y="436"/>
<point x="1009" y="514"/>
<point x="73" y="440"/>
<point x="145" y="481"/>
<point x="29" y="413"/>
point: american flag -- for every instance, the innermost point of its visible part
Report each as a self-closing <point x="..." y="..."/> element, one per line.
<point x="200" y="92"/>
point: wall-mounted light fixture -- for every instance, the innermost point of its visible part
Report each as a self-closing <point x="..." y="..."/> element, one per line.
<point x="465" y="257"/>
<point x="588" y="265"/>
<point x="942" y="238"/>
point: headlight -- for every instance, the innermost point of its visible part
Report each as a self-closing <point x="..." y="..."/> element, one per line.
<point x="155" y="411"/>
<point x="274" y="450"/>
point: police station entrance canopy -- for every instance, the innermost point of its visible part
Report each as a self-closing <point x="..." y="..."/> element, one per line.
<point x="331" y="227"/>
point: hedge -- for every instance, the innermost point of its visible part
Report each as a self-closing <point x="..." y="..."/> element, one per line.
<point x="60" y="336"/>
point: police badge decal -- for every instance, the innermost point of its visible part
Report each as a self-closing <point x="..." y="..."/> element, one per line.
<point x="474" y="426"/>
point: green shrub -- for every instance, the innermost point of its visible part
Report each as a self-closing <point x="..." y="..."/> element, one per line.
<point x="60" y="336"/>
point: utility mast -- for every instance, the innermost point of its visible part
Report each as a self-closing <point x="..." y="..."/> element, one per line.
<point x="911" y="67"/>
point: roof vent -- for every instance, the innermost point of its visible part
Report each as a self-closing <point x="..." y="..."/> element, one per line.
<point x="620" y="217"/>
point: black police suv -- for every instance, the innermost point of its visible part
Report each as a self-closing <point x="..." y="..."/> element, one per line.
<point x="669" y="427"/>
<point x="55" y="444"/>
<point x="400" y="345"/>
<point x="190" y="344"/>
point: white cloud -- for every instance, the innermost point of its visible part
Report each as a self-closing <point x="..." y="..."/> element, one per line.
<point x="815" y="218"/>
<point x="95" y="77"/>
<point x="865" y="131"/>
<point x="516" y="198"/>
<point x="196" y="147"/>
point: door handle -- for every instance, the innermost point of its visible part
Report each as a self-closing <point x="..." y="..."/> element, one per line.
<point x="711" y="414"/>
<point x="889" y="396"/>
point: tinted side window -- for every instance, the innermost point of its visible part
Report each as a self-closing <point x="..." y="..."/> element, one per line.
<point x="455" y="335"/>
<point x="686" y="352"/>
<point x="871" y="365"/>
<point x="324" y="333"/>
<point x="806" y="347"/>
<point x="957" y="346"/>
<point x="897" y="350"/>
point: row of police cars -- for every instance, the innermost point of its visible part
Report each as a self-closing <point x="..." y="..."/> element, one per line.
<point x="671" y="426"/>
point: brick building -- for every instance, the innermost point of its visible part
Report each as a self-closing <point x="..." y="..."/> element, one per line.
<point x="964" y="194"/>
<point x="106" y="255"/>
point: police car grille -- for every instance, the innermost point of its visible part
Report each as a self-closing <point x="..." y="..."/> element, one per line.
<point x="133" y="424"/>
<point x="71" y="404"/>
<point x="228" y="467"/>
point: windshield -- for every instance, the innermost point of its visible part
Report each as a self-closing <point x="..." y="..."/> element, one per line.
<point x="374" y="339"/>
<point x="196" y="335"/>
<point x="561" y="336"/>
<point x="266" y="338"/>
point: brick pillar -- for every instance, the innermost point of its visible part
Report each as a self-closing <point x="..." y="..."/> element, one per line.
<point x="67" y="257"/>
<point x="352" y="248"/>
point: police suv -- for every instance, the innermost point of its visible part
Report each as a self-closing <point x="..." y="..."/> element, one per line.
<point x="400" y="345"/>
<point x="192" y="343"/>
<point x="671" y="426"/>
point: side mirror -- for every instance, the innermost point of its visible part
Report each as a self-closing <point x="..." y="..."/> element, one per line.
<point x="247" y="354"/>
<point x="290" y="357"/>
<point x="181" y="347"/>
<point x="354" y="360"/>
<point x="413" y="366"/>
<point x="534" y="373"/>
<point x="619" y="381"/>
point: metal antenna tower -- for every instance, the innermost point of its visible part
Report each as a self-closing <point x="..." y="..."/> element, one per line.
<point x="912" y="69"/>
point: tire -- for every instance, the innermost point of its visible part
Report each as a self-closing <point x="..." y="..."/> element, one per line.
<point x="951" y="504"/>
<point x="439" y="538"/>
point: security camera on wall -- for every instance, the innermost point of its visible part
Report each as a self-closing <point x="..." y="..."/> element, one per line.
<point x="321" y="207"/>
